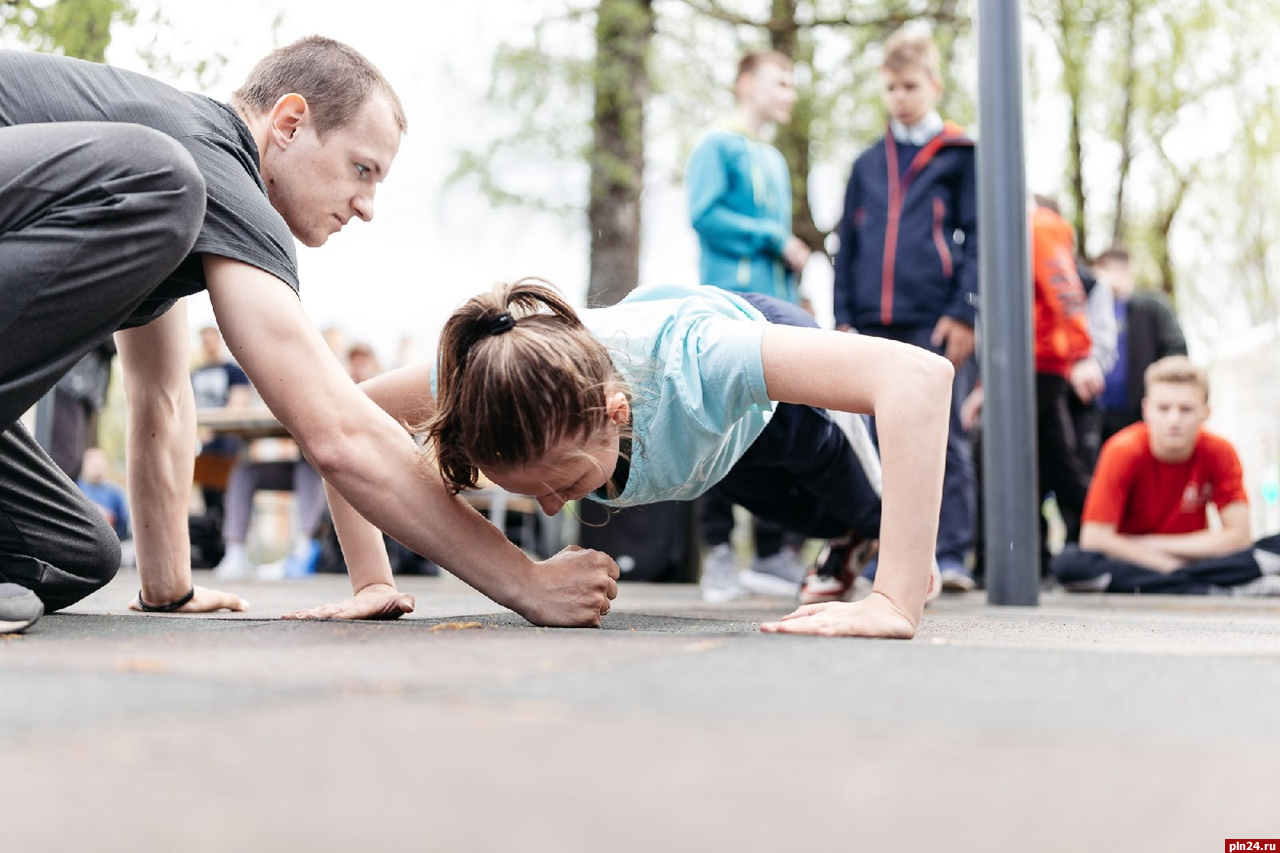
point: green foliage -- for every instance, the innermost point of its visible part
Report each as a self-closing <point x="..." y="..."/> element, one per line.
<point x="542" y="101"/>
<point x="199" y="71"/>
<point x="545" y="94"/>
<point x="80" y="28"/>
<point x="1175" y="106"/>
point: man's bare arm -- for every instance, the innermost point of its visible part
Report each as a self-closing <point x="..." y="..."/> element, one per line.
<point x="160" y="458"/>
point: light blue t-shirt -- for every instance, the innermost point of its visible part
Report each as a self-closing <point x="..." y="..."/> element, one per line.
<point x="691" y="358"/>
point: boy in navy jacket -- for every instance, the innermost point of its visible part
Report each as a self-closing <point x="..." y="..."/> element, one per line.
<point x="907" y="267"/>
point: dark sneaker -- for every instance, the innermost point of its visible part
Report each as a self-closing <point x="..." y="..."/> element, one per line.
<point x="839" y="563"/>
<point x="19" y="608"/>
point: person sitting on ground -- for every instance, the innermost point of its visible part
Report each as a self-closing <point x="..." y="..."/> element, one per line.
<point x="674" y="390"/>
<point x="1146" y="526"/>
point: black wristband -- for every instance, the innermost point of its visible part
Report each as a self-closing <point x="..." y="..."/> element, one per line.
<point x="166" y="608"/>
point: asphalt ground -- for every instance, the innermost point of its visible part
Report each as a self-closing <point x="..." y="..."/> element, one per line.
<point x="1089" y="723"/>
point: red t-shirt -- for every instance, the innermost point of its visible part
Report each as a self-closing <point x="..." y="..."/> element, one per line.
<point x="1139" y="494"/>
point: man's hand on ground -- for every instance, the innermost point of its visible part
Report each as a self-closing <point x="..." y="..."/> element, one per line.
<point x="204" y="601"/>
<point x="873" y="616"/>
<point x="375" y="601"/>
<point x="573" y="589"/>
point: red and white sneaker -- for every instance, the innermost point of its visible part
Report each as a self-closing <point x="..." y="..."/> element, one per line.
<point x="833" y="575"/>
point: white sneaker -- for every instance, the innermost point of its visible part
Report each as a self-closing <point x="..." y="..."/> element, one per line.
<point x="719" y="580"/>
<point x="957" y="579"/>
<point x="779" y="575"/>
<point x="1267" y="585"/>
<point x="271" y="571"/>
<point x="234" y="566"/>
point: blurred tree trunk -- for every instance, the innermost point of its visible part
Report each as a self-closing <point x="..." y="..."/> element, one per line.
<point x="792" y="138"/>
<point x="624" y="30"/>
<point x="1124" y="132"/>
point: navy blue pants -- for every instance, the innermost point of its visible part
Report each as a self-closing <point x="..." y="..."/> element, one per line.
<point x="1091" y="570"/>
<point x="715" y="518"/>
<point x="957" y="523"/>
<point x="802" y="473"/>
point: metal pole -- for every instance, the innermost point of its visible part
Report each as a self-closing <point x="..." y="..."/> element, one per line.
<point x="1009" y="438"/>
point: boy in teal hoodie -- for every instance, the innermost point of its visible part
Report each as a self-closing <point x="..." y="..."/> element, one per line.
<point x="739" y="188"/>
<point x="739" y="192"/>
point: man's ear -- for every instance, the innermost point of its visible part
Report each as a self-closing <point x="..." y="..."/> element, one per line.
<point x="288" y="116"/>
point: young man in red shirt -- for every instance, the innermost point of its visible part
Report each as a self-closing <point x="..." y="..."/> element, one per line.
<point x="1145" y="526"/>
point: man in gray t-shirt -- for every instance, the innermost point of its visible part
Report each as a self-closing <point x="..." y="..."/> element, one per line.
<point x="118" y="196"/>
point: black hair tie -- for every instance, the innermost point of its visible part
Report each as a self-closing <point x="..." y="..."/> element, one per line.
<point x="504" y="322"/>
<point x="176" y="604"/>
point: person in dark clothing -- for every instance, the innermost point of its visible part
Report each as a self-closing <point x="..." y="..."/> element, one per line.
<point x="77" y="399"/>
<point x="1064" y="368"/>
<point x="118" y="196"/>
<point x="1147" y="331"/>
<point x="907" y="266"/>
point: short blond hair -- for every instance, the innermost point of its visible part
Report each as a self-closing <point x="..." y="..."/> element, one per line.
<point x="904" y="49"/>
<point x="1178" y="370"/>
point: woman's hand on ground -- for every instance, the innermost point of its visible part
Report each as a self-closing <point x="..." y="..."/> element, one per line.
<point x="873" y="616"/>
<point x="375" y="601"/>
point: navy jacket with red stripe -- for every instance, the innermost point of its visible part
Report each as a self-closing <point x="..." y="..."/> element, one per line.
<point x="908" y="238"/>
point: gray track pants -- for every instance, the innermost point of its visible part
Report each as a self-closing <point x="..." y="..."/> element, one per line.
<point x="93" y="217"/>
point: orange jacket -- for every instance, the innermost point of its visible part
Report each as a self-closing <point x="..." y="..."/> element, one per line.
<point x="1061" y="307"/>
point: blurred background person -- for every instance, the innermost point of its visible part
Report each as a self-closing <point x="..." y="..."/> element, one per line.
<point x="1147" y="330"/>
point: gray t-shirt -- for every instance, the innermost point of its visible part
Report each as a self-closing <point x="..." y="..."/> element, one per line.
<point x="240" y="222"/>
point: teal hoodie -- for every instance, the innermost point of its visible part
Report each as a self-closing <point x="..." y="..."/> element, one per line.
<point x="739" y="193"/>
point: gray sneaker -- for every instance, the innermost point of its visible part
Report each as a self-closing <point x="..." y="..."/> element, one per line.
<point x="778" y="575"/>
<point x="19" y="608"/>
<point x="720" y="576"/>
